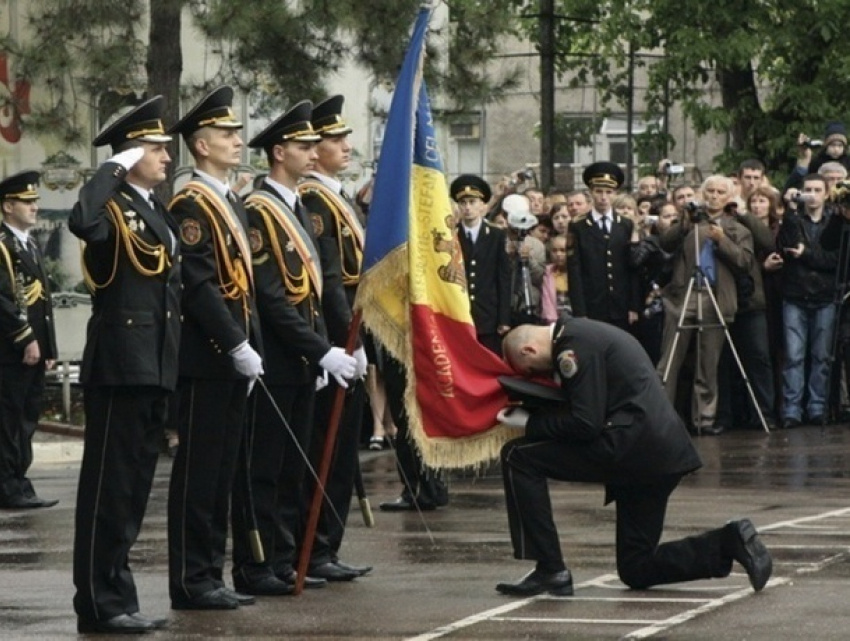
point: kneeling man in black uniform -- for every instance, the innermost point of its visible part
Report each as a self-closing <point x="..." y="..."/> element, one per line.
<point x="615" y="427"/>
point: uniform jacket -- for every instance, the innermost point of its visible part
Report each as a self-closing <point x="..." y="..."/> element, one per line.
<point x="337" y="224"/>
<point x="733" y="256"/>
<point x="133" y="335"/>
<point x="488" y="277"/>
<point x="603" y="286"/>
<point x="219" y="311"/>
<point x="293" y="326"/>
<point x="26" y="311"/>
<point x="617" y="408"/>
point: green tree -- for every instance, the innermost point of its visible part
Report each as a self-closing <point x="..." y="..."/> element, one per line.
<point x="776" y="65"/>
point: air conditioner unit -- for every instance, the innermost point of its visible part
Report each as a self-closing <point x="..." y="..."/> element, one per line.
<point x="465" y="130"/>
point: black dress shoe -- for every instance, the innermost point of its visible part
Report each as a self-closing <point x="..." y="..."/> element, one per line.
<point x="266" y="586"/>
<point x="401" y="504"/>
<point x="240" y="597"/>
<point x="310" y="582"/>
<point x="790" y="422"/>
<point x="535" y="582"/>
<point x="158" y="624"/>
<point x="359" y="570"/>
<point x="212" y="600"/>
<point x="122" y="624"/>
<point x="21" y="503"/>
<point x="817" y="419"/>
<point x="44" y="502"/>
<point x="748" y="550"/>
<point x="331" y="572"/>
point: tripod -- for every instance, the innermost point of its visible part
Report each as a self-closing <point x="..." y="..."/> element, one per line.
<point x="699" y="281"/>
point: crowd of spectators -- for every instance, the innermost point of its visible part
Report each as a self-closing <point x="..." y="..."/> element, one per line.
<point x="755" y="273"/>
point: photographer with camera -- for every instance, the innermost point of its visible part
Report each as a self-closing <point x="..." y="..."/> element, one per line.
<point x="602" y="284"/>
<point x="488" y="269"/>
<point x="725" y="250"/>
<point x="833" y="148"/>
<point x="808" y="314"/>
<point x="528" y="260"/>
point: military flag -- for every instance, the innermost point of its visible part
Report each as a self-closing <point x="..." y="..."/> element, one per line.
<point x="412" y="291"/>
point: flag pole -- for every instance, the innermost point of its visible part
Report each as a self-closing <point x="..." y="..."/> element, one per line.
<point x="325" y="463"/>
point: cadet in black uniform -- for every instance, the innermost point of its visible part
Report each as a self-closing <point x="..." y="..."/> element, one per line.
<point x="289" y="300"/>
<point x="29" y="346"/>
<point x="603" y="285"/>
<point x="339" y="236"/>
<point x="219" y="357"/>
<point x="616" y="427"/>
<point x="485" y="257"/>
<point x="129" y="363"/>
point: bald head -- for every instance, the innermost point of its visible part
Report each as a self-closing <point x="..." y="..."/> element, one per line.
<point x="528" y="350"/>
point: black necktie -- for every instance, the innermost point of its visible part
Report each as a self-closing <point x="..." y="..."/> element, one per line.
<point x="603" y="224"/>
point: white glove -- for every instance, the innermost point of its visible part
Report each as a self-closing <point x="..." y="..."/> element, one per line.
<point x="339" y="365"/>
<point x="512" y="417"/>
<point x="321" y="381"/>
<point x="128" y="157"/>
<point x="362" y="362"/>
<point x="246" y="361"/>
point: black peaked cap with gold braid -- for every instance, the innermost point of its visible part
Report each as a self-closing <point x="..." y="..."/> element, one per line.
<point x="327" y="118"/>
<point x="603" y="174"/>
<point x="20" y="186"/>
<point x="214" y="110"/>
<point x="142" y="123"/>
<point x="467" y="185"/>
<point x="293" y="126"/>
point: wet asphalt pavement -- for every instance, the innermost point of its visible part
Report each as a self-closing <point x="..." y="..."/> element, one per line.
<point x="435" y="573"/>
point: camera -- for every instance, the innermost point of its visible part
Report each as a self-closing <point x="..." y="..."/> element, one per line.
<point x="812" y="144"/>
<point x="840" y="193"/>
<point x="695" y="211"/>
<point x="650" y="219"/>
<point x="525" y="175"/>
<point x="673" y="170"/>
<point x="521" y="220"/>
<point x="800" y="200"/>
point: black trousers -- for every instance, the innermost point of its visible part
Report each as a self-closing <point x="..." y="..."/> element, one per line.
<point x="211" y="417"/>
<point x="124" y="429"/>
<point x="277" y="470"/>
<point x="21" y="394"/>
<point x="641" y="561"/>
<point x="418" y="480"/>
<point x="340" y="483"/>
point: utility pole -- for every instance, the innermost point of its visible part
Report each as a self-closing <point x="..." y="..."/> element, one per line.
<point x="547" y="93"/>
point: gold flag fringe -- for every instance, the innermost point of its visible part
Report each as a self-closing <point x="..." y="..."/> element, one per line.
<point x="392" y="275"/>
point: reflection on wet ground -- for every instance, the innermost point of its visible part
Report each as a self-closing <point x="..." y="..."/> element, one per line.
<point x="441" y="566"/>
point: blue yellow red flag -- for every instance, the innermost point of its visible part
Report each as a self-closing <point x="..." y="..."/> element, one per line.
<point x="412" y="291"/>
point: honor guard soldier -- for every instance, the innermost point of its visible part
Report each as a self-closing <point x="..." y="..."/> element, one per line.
<point x="614" y="427"/>
<point x="29" y="346"/>
<point x="289" y="299"/>
<point x="129" y="369"/>
<point x="339" y="236"/>
<point x="488" y="266"/>
<point x="219" y="357"/>
<point x="602" y="284"/>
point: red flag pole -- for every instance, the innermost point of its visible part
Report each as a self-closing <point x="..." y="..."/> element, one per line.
<point x="325" y="464"/>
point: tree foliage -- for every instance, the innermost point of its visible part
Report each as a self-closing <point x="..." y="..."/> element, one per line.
<point x="776" y="65"/>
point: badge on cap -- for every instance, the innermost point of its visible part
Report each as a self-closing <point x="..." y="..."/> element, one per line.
<point x="190" y="232"/>
<point x="567" y="364"/>
<point x="318" y="224"/>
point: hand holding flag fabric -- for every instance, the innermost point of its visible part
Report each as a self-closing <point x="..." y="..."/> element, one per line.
<point x="513" y="416"/>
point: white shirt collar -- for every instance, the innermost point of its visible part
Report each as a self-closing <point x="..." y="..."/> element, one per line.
<point x="289" y="196"/>
<point x="332" y="183"/>
<point x="221" y="187"/>
<point x="473" y="232"/>
<point x="146" y="194"/>
<point x="598" y="216"/>
<point x="23" y="236"/>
